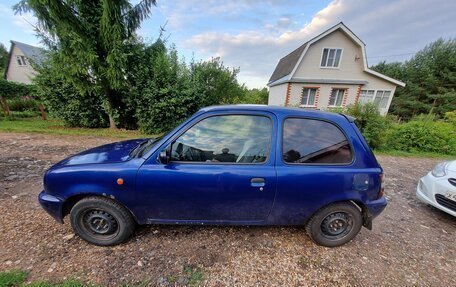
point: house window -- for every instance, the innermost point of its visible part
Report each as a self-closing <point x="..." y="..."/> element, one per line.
<point x="366" y="96"/>
<point x="308" y="97"/>
<point x="21" y="60"/>
<point x="336" y="97"/>
<point x="382" y="98"/>
<point x="331" y="58"/>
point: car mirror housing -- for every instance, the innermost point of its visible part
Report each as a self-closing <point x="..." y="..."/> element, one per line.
<point x="164" y="156"/>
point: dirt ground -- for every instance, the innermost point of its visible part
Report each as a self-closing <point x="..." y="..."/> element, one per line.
<point x="411" y="244"/>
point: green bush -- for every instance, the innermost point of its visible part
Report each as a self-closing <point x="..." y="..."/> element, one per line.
<point x="168" y="91"/>
<point x="372" y="125"/>
<point x="11" y="90"/>
<point x="66" y="102"/>
<point x="451" y="117"/>
<point x="23" y="104"/>
<point x="423" y="134"/>
<point x="21" y="115"/>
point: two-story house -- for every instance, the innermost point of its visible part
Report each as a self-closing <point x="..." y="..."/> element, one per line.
<point x="22" y="58"/>
<point x="329" y="71"/>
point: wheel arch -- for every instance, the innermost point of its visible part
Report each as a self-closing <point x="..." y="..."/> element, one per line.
<point x="72" y="200"/>
<point x="367" y="220"/>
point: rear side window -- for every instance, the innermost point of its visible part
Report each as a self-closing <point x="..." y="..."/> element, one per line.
<point x="314" y="142"/>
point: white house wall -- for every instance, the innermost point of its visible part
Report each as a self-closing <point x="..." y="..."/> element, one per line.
<point x="323" y="93"/>
<point x="16" y="73"/>
<point x="277" y="95"/>
<point x="351" y="69"/>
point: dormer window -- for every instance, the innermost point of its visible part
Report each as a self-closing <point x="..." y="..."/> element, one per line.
<point x="331" y="58"/>
<point x="21" y="60"/>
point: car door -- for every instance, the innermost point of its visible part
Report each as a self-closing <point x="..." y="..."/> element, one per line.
<point x="316" y="167"/>
<point x="221" y="169"/>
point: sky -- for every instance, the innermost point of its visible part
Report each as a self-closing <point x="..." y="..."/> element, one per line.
<point x="253" y="35"/>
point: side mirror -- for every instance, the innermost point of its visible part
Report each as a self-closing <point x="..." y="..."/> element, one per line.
<point x="164" y="156"/>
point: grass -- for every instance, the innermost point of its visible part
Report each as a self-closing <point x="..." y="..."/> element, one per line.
<point x="16" y="278"/>
<point x="194" y="274"/>
<point x="12" y="278"/>
<point x="58" y="128"/>
<point x="413" y="154"/>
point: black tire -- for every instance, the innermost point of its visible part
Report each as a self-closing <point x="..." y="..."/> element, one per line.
<point x="101" y="221"/>
<point x="335" y="224"/>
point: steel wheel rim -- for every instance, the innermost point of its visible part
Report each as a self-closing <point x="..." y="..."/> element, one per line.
<point x="99" y="223"/>
<point x="337" y="225"/>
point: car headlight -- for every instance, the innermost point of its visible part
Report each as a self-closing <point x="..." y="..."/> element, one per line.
<point x="440" y="169"/>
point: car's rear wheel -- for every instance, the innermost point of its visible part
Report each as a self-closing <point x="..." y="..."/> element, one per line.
<point x="101" y="221"/>
<point x="335" y="224"/>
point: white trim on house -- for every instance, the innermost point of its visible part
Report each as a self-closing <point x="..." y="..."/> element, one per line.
<point x="320" y="81"/>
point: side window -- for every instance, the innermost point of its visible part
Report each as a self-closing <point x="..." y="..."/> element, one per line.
<point x="227" y="138"/>
<point x="314" y="141"/>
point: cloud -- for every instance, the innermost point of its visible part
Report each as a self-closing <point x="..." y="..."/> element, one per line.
<point x="387" y="27"/>
<point x="25" y="21"/>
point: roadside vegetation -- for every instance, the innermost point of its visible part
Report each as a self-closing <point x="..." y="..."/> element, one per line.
<point x="425" y="135"/>
<point x="192" y="276"/>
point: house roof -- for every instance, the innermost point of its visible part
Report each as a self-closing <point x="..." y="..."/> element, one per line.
<point x="287" y="63"/>
<point x="35" y="54"/>
<point x="287" y="66"/>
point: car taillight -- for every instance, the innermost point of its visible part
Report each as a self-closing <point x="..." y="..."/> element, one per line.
<point x="382" y="186"/>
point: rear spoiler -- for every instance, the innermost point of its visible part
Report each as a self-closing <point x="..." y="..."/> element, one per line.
<point x="349" y="118"/>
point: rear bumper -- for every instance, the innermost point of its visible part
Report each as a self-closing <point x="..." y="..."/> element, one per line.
<point x="373" y="209"/>
<point x="376" y="207"/>
<point x="52" y="205"/>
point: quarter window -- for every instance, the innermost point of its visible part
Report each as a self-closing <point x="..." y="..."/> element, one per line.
<point x="337" y="95"/>
<point x="227" y="138"/>
<point x="382" y="98"/>
<point x="314" y="142"/>
<point x="308" y="97"/>
<point x="331" y="58"/>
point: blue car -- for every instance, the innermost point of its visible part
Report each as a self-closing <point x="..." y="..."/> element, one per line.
<point x="225" y="165"/>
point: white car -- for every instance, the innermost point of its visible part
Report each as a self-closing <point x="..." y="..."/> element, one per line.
<point x="438" y="187"/>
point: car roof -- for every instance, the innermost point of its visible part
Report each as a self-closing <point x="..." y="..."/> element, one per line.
<point x="278" y="110"/>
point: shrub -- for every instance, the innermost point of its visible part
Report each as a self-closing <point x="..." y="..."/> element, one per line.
<point x="11" y="90"/>
<point x="451" y="117"/>
<point x="23" y="104"/>
<point x="372" y="125"/>
<point x="423" y="134"/>
<point x="66" y="102"/>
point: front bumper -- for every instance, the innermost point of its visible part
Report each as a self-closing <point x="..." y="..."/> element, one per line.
<point x="53" y="205"/>
<point x="430" y="186"/>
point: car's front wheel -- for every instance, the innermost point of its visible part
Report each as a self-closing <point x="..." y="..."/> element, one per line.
<point x="101" y="221"/>
<point x="335" y="224"/>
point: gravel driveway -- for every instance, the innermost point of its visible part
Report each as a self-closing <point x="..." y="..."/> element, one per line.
<point x="411" y="244"/>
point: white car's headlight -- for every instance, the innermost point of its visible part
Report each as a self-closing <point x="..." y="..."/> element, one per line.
<point x="440" y="169"/>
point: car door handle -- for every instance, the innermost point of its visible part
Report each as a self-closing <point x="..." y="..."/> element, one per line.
<point x="257" y="182"/>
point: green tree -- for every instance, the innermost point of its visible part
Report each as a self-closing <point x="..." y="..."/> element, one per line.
<point x="430" y="78"/>
<point x="90" y="40"/>
<point x="3" y="58"/>
<point x="166" y="90"/>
